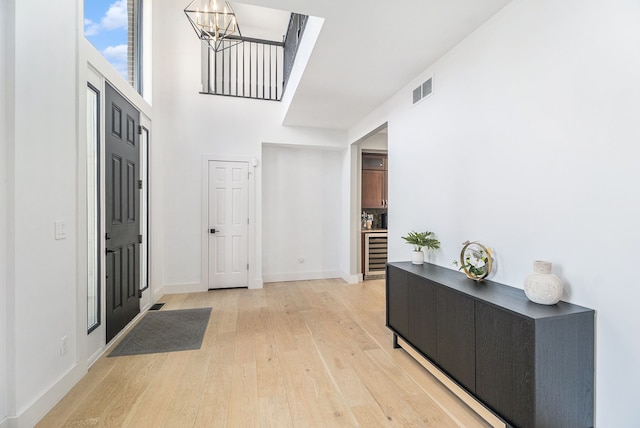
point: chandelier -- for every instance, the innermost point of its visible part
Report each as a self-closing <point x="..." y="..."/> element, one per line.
<point x="214" y="22"/>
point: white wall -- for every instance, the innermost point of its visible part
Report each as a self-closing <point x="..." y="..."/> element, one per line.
<point x="529" y="144"/>
<point x="43" y="298"/>
<point x="45" y="192"/>
<point x="301" y="213"/>
<point x="4" y="388"/>
<point x="188" y="125"/>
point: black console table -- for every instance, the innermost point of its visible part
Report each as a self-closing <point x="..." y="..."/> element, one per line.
<point x="532" y="365"/>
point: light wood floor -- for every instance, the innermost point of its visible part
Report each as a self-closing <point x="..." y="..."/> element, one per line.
<point x="295" y="354"/>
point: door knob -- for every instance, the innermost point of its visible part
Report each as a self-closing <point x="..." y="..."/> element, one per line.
<point x="212" y="231"/>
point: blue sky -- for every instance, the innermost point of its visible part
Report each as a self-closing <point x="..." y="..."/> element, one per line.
<point x="105" y="26"/>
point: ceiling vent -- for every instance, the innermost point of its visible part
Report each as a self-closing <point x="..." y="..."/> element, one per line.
<point x="423" y="90"/>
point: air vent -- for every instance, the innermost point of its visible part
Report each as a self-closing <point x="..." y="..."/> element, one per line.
<point x="423" y="90"/>
<point x="417" y="94"/>
<point x="427" y="88"/>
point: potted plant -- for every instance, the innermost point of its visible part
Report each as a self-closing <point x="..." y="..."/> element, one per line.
<point x="475" y="260"/>
<point x="421" y="240"/>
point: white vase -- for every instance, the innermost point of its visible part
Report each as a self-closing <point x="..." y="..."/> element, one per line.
<point x="417" y="257"/>
<point x="542" y="286"/>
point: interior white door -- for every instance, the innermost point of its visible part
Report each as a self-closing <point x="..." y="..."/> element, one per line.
<point x="228" y="224"/>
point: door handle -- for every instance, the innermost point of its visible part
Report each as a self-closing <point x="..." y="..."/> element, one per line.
<point x="213" y="231"/>
<point x="110" y="251"/>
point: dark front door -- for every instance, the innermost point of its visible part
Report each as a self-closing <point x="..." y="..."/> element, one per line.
<point x="122" y="209"/>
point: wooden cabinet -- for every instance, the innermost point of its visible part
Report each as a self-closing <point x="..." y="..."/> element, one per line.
<point x="422" y="314"/>
<point x="532" y="365"/>
<point x="374" y="161"/>
<point x="398" y="301"/>
<point x="505" y="341"/>
<point x="374" y="180"/>
<point x="374" y="189"/>
<point x="455" y="336"/>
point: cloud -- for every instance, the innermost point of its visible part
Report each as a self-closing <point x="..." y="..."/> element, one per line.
<point x="117" y="56"/>
<point x="116" y="16"/>
<point x="91" y="28"/>
<point x="114" y="19"/>
<point x="115" y="53"/>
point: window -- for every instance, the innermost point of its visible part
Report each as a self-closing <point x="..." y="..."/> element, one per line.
<point x="113" y="27"/>
<point x="144" y="209"/>
<point x="93" y="219"/>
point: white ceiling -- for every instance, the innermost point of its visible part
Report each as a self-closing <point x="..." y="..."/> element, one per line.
<point x="261" y="22"/>
<point x="369" y="49"/>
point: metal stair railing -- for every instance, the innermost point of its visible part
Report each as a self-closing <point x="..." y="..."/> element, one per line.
<point x="251" y="68"/>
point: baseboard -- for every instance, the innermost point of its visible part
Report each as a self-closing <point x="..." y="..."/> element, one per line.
<point x="8" y="423"/>
<point x="96" y="356"/>
<point x="299" y="276"/>
<point x="192" y="288"/>
<point x="178" y="289"/>
<point x="352" y="279"/>
<point x="34" y="412"/>
<point x="256" y="284"/>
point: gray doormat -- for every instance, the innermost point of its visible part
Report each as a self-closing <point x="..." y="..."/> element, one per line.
<point x="165" y="331"/>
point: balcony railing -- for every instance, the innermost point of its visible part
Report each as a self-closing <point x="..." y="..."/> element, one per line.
<point x="297" y="24"/>
<point x="253" y="68"/>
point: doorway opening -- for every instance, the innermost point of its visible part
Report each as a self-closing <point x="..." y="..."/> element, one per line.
<point x="373" y="173"/>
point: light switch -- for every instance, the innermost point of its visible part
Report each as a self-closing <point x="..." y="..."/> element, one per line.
<point x="61" y="230"/>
